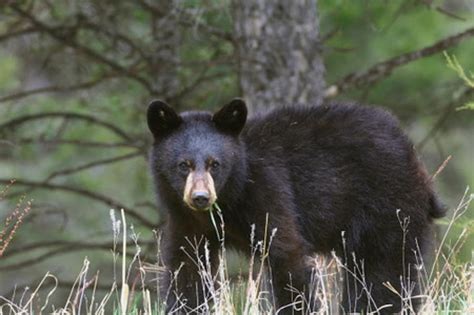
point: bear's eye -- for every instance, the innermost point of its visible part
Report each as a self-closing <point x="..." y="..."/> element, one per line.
<point x="215" y="165"/>
<point x="184" y="166"/>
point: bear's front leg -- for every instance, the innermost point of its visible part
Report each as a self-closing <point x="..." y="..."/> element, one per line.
<point x="291" y="278"/>
<point x="290" y="270"/>
<point x="183" y="286"/>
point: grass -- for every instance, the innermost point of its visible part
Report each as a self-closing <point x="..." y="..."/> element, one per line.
<point x="448" y="287"/>
<point x="13" y="221"/>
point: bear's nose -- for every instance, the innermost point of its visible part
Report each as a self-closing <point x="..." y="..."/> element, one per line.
<point x="200" y="199"/>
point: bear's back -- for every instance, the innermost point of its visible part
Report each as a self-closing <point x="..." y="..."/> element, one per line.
<point x="341" y="159"/>
<point x="332" y="126"/>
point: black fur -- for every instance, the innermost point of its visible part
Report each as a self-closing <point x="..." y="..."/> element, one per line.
<point x="319" y="172"/>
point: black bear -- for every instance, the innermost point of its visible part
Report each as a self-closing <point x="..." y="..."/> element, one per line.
<point x="339" y="178"/>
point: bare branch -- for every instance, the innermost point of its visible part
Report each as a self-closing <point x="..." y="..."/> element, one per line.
<point x="189" y="20"/>
<point x="61" y="243"/>
<point x="86" y="166"/>
<point x="202" y="78"/>
<point x="116" y="36"/>
<point x="449" y="13"/>
<point x="69" y="41"/>
<point x="71" y="247"/>
<point x="79" y="143"/>
<point x="68" y="115"/>
<point x="83" y="167"/>
<point x="12" y="34"/>
<point x="54" y="88"/>
<point x="85" y="193"/>
<point x="429" y="5"/>
<point x="448" y="110"/>
<point x="385" y="68"/>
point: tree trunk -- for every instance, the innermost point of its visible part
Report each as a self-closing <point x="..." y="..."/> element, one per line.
<point x="167" y="36"/>
<point x="279" y="52"/>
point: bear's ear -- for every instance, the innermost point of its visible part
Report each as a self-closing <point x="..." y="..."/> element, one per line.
<point x="162" y="118"/>
<point x="231" y="118"/>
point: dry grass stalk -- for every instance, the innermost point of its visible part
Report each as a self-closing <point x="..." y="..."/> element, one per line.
<point x="448" y="287"/>
<point x="14" y="220"/>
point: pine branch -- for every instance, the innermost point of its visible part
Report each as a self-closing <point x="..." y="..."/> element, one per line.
<point x="383" y="69"/>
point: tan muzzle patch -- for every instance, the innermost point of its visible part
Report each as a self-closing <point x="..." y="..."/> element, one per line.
<point x="199" y="192"/>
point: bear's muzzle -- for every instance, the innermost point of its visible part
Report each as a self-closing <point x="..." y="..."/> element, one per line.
<point x="199" y="191"/>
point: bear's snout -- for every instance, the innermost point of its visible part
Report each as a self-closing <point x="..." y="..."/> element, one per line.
<point x="199" y="192"/>
<point x="200" y="199"/>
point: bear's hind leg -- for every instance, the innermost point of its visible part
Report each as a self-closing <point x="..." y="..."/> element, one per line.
<point x="364" y="290"/>
<point x="369" y="287"/>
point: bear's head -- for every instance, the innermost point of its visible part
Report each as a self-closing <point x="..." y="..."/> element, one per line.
<point x="196" y="153"/>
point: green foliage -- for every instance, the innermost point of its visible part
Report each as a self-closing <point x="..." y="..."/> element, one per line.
<point x="378" y="30"/>
<point x="469" y="106"/>
<point x="454" y="64"/>
<point x="8" y="71"/>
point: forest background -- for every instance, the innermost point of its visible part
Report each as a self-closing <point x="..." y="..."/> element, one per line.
<point x="76" y="77"/>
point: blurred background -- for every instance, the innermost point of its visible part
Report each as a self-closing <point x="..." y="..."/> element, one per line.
<point x="76" y="78"/>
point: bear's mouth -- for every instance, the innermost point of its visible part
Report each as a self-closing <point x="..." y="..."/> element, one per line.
<point x="199" y="191"/>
